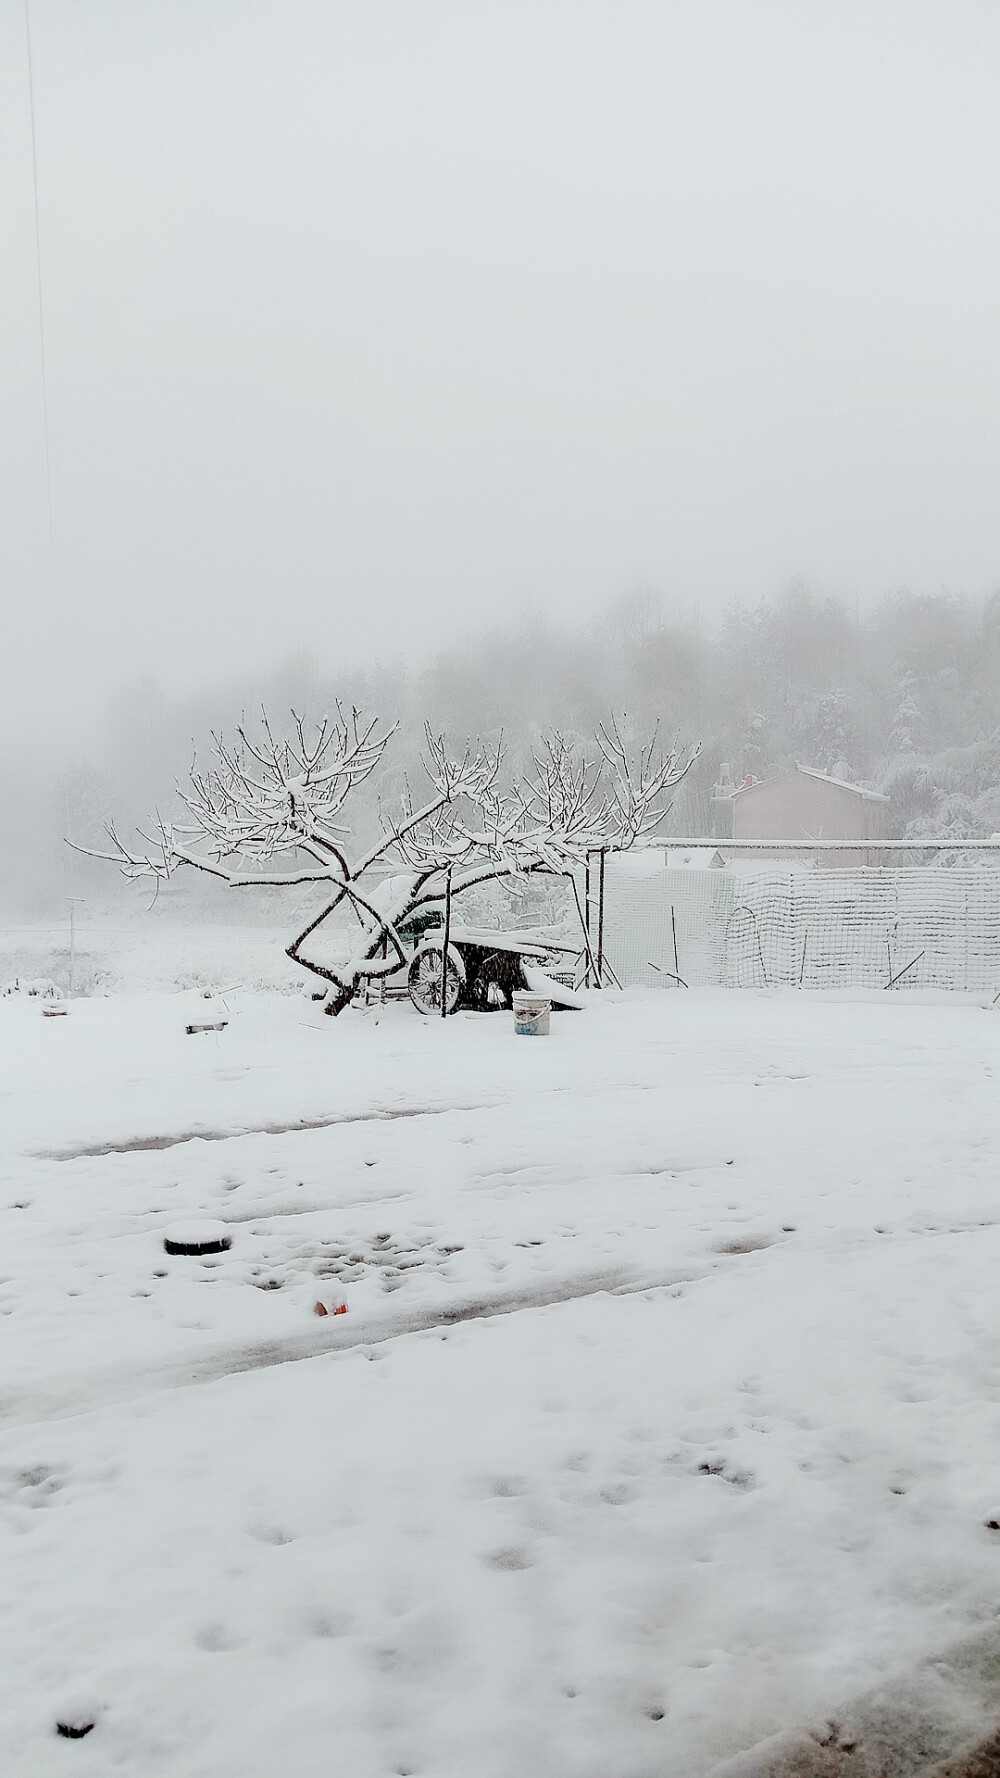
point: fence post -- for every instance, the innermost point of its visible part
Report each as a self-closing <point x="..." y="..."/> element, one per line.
<point x="600" y="919"/>
<point x="447" y="942"/>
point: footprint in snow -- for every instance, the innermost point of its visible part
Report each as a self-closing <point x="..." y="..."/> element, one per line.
<point x="737" y="1478"/>
<point x="34" y="1485"/>
<point x="218" y="1639"/>
<point x="508" y="1561"/>
<point x="617" y="1494"/>
<point x="327" y="1625"/>
<point x="506" y="1487"/>
<point x="745" y="1244"/>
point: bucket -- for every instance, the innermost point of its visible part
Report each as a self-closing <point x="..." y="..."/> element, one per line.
<point x="531" y="1014"/>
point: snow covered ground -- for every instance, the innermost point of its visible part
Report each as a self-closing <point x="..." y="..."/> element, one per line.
<point x="665" y="1413"/>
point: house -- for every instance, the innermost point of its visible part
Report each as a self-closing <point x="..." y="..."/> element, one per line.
<point x="803" y="806"/>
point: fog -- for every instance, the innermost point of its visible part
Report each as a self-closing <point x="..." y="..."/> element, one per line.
<point x="371" y="330"/>
<point x="368" y="325"/>
<point x="905" y="699"/>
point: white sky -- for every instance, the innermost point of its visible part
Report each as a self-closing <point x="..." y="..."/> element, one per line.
<point x="369" y="320"/>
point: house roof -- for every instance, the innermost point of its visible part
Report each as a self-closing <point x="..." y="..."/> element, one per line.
<point x="869" y="796"/>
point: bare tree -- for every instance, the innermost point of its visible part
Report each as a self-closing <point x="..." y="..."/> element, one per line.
<point x="263" y="799"/>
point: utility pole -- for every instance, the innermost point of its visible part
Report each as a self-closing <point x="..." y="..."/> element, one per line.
<point x="72" y="899"/>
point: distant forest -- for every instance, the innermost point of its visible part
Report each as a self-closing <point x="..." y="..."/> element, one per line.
<point x="904" y="699"/>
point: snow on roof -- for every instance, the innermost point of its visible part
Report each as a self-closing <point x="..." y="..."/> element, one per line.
<point x="871" y="796"/>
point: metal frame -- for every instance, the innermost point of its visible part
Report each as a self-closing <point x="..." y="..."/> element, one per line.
<point x="710" y="845"/>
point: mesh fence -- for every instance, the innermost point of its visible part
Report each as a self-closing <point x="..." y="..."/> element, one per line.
<point x="923" y="927"/>
<point x="666" y="923"/>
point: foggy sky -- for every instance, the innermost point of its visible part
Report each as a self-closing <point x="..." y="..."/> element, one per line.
<point x="370" y="321"/>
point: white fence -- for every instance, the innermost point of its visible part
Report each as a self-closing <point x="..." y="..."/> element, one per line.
<point x="918" y="927"/>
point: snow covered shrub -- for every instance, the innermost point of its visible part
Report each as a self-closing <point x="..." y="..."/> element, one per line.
<point x="37" y="987"/>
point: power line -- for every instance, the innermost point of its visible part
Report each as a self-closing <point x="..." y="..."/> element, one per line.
<point x="47" y="458"/>
<point x="41" y="311"/>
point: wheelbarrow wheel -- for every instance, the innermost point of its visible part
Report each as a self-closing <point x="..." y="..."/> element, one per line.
<point x="424" y="979"/>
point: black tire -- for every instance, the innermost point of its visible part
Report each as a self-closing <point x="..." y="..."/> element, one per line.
<point x="190" y="1239"/>
<point x="199" y="1249"/>
<point x="424" y="979"/>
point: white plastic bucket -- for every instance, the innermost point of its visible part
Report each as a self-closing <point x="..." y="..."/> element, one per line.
<point x="531" y="1014"/>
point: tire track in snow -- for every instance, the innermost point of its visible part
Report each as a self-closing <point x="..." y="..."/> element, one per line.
<point x="936" y="1718"/>
<point x="152" y="1144"/>
<point x="382" y="1114"/>
<point x="111" y="1385"/>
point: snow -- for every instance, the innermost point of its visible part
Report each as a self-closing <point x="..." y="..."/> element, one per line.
<point x="538" y="982"/>
<point x="862" y="790"/>
<point x="664" y="1413"/>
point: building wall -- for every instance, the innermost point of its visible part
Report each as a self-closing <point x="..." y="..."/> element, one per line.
<point x="798" y="807"/>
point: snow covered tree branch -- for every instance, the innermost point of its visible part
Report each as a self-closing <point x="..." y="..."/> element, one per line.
<point x="264" y="799"/>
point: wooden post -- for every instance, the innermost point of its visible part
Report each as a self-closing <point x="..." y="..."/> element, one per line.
<point x="447" y="941"/>
<point x="600" y="920"/>
<point x="586" y="914"/>
<point x="73" y="899"/>
<point x="591" y="966"/>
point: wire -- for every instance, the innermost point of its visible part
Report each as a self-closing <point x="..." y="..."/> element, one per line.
<point x="41" y="304"/>
<point x="43" y="359"/>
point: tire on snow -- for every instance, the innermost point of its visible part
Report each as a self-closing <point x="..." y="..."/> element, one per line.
<point x="197" y="1239"/>
<point x="424" y="978"/>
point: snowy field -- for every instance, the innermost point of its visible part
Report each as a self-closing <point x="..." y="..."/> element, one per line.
<point x="665" y="1412"/>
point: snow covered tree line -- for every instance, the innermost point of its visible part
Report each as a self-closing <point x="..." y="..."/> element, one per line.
<point x="903" y="695"/>
<point x="269" y="810"/>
